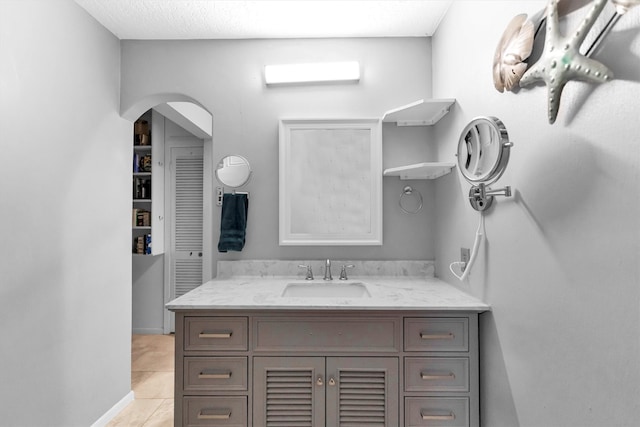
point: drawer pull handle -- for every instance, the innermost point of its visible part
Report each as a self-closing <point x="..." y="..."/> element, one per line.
<point x="449" y="376"/>
<point x="214" y="376"/>
<point x="221" y="416"/>
<point x="449" y="417"/>
<point x="448" y="336"/>
<point x="215" y="335"/>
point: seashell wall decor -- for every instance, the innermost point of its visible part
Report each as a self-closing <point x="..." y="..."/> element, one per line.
<point x="514" y="47"/>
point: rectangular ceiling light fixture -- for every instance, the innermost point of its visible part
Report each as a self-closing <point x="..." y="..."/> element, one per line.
<point x="312" y="73"/>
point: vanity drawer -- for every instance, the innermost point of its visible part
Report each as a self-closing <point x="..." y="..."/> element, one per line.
<point x="362" y="334"/>
<point x="436" y="411"/>
<point x="436" y="334"/>
<point x="214" y="411"/>
<point x="436" y="374"/>
<point x="215" y="373"/>
<point x="215" y="333"/>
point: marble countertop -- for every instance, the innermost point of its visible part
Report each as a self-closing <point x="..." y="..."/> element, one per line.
<point x="386" y="293"/>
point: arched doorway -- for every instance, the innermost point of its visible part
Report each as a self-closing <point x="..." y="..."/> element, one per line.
<point x="148" y="273"/>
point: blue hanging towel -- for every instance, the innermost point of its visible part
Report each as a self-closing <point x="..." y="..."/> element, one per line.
<point x="233" y="223"/>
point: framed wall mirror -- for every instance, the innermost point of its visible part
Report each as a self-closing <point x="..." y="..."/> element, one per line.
<point x="330" y="182"/>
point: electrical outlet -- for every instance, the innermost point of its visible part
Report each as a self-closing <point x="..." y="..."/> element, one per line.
<point x="465" y="254"/>
<point x="219" y="196"/>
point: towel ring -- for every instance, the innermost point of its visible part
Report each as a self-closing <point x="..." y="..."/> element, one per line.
<point x="408" y="191"/>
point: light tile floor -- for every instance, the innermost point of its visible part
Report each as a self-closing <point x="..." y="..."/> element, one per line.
<point x="152" y="369"/>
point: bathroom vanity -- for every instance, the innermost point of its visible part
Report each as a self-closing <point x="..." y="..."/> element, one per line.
<point x="404" y="353"/>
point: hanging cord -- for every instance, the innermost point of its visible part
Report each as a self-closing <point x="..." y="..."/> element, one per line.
<point x="474" y="253"/>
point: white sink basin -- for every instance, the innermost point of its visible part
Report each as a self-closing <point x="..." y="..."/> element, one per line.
<point x="326" y="290"/>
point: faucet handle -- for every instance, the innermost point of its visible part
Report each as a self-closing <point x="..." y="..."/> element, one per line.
<point x="343" y="271"/>
<point x="309" y="272"/>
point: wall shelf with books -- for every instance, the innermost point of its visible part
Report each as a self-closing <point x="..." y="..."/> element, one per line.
<point x="147" y="219"/>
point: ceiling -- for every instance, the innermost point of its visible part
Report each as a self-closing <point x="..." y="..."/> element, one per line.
<point x="239" y="19"/>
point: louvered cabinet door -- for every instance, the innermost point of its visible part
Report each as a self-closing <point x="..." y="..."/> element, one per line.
<point x="362" y="392"/>
<point x="289" y="391"/>
<point x="186" y="226"/>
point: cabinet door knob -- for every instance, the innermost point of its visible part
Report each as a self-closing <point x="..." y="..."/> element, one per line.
<point x="332" y="381"/>
<point x="319" y="381"/>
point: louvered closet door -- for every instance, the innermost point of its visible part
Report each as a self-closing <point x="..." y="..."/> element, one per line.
<point x="186" y="216"/>
<point x="362" y="392"/>
<point x="289" y="392"/>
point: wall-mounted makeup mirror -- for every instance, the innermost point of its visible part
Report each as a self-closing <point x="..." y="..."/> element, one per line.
<point x="483" y="154"/>
<point x="233" y="171"/>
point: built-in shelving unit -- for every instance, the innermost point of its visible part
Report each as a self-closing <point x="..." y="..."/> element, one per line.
<point x="147" y="212"/>
<point x="419" y="113"/>
<point x="428" y="170"/>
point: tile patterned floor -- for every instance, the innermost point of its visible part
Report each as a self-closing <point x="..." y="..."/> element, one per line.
<point x="152" y="368"/>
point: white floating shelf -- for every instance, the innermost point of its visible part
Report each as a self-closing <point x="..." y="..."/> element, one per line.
<point x="419" y="113"/>
<point x="420" y="170"/>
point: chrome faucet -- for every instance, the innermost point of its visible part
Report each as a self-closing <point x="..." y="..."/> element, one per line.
<point x="327" y="270"/>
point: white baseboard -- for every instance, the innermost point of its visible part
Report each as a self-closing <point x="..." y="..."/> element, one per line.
<point x="115" y="410"/>
<point x="147" y="331"/>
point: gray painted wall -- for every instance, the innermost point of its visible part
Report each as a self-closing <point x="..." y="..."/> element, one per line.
<point x="560" y="265"/>
<point x="147" y="297"/>
<point x="65" y="266"/>
<point x="226" y="78"/>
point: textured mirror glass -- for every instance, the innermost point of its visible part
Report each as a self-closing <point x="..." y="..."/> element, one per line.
<point x="483" y="150"/>
<point x="330" y="183"/>
<point x="233" y="171"/>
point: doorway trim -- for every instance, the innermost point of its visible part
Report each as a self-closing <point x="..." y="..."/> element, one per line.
<point x="131" y="114"/>
<point x="171" y="257"/>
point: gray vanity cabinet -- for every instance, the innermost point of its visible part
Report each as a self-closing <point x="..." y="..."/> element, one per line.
<point x="326" y="368"/>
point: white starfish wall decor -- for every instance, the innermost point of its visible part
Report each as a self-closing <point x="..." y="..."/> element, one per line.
<point x="561" y="60"/>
